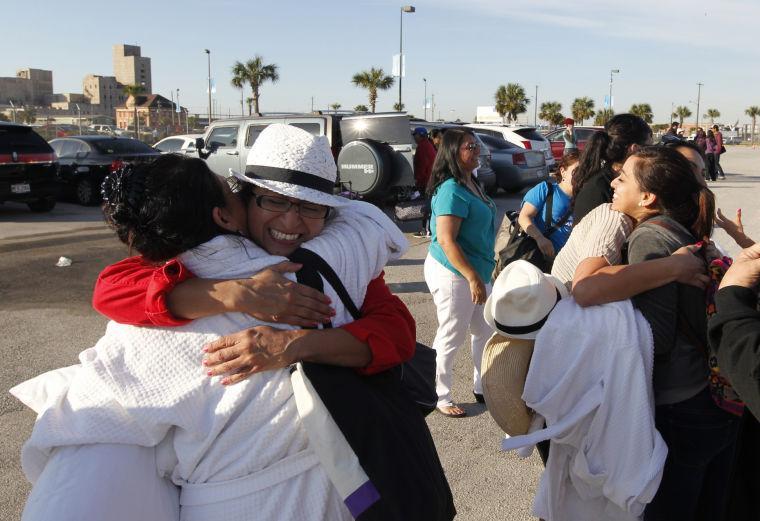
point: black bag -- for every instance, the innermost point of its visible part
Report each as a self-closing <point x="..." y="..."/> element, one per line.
<point x="722" y="149"/>
<point x="382" y="425"/>
<point x="522" y="246"/>
<point x="417" y="374"/>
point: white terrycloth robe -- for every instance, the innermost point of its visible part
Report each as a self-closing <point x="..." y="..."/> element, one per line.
<point x="239" y="452"/>
<point x="590" y="377"/>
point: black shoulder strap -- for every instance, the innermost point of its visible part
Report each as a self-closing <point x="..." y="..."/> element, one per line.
<point x="316" y="264"/>
<point x="548" y="206"/>
<point x="551" y="228"/>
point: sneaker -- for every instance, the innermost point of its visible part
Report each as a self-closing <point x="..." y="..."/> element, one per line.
<point x="420" y="235"/>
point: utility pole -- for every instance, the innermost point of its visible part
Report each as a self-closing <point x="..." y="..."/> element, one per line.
<point x="432" y="106"/>
<point x="171" y="93"/>
<point x="535" y="109"/>
<point x="424" y="101"/>
<point x="699" y="94"/>
<point x="312" y="104"/>
<point x="404" y="9"/>
<point x="208" y="52"/>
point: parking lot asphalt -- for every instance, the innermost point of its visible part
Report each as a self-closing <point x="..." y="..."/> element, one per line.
<point x="46" y="320"/>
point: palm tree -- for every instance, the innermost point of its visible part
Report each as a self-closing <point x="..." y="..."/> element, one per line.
<point x="582" y="109"/>
<point x="256" y="73"/>
<point x="361" y="108"/>
<point x="372" y="80"/>
<point x="712" y="114"/>
<point x="753" y="112"/>
<point x="681" y="113"/>
<point x="335" y="106"/>
<point x="132" y="91"/>
<point x="249" y="102"/>
<point x="642" y="110"/>
<point x="398" y="107"/>
<point x="511" y="101"/>
<point x="551" y="111"/>
<point x="603" y="116"/>
<point x="239" y="80"/>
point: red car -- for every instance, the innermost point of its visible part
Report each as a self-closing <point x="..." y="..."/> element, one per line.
<point x="582" y="134"/>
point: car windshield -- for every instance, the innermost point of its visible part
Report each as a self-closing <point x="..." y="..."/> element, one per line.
<point x="393" y="130"/>
<point x="530" y="133"/>
<point x="121" y="146"/>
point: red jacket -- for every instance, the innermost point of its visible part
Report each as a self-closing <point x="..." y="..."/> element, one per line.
<point x="133" y="291"/>
<point x="423" y="163"/>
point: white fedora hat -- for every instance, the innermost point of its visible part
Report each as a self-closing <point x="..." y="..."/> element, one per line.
<point x="521" y="300"/>
<point x="294" y="163"/>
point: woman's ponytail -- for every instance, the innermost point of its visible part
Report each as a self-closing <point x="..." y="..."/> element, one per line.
<point x="592" y="159"/>
<point x="703" y="224"/>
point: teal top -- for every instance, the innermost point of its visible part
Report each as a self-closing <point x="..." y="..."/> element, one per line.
<point x="477" y="234"/>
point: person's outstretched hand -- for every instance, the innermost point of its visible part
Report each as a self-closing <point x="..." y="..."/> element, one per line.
<point x="745" y="271"/>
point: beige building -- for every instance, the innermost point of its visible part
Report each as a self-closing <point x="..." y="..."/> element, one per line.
<point x="104" y="91"/>
<point x="130" y="68"/>
<point x="29" y="87"/>
<point x="153" y="111"/>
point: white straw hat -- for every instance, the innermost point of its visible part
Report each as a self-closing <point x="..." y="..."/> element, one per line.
<point x="521" y="300"/>
<point x="504" y="368"/>
<point x="294" y="163"/>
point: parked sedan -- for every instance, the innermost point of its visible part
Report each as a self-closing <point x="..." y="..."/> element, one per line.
<point x="582" y="135"/>
<point x="515" y="167"/>
<point x="485" y="174"/>
<point x="524" y="137"/>
<point x="183" y="144"/>
<point x="86" y="160"/>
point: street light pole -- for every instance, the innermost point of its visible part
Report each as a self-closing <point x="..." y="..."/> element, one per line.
<point x="79" y="117"/>
<point x="424" y="101"/>
<point x="208" y="53"/>
<point x="699" y="94"/>
<point x="535" y="109"/>
<point x="404" y="9"/>
<point x="14" y="109"/>
<point x="612" y="71"/>
<point x="171" y="92"/>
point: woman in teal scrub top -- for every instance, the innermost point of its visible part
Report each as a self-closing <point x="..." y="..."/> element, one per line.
<point x="460" y="260"/>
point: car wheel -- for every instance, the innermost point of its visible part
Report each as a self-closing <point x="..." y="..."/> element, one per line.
<point x="41" y="205"/>
<point x="86" y="194"/>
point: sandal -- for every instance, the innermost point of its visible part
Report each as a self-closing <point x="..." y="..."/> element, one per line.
<point x="452" y="411"/>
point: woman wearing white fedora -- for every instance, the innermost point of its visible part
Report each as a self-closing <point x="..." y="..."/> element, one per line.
<point x="238" y="452"/>
<point x="460" y="260"/>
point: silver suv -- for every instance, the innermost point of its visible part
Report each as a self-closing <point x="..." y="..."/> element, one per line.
<point x="373" y="151"/>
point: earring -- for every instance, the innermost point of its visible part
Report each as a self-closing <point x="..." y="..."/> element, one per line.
<point x="639" y="203"/>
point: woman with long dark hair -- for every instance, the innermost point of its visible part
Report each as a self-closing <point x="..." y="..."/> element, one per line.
<point x="460" y="260"/>
<point x="672" y="208"/>
<point x="602" y="158"/>
<point x="711" y="149"/>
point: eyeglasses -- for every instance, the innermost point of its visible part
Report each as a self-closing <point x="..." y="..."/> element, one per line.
<point x="471" y="146"/>
<point x="280" y="205"/>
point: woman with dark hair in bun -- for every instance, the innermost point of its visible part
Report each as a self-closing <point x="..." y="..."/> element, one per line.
<point x="602" y="158"/>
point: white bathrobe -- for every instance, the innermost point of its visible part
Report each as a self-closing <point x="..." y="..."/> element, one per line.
<point x="239" y="452"/>
<point x="590" y="377"/>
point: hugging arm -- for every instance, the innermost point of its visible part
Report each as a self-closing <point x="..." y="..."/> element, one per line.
<point x="135" y="292"/>
<point x="596" y="282"/>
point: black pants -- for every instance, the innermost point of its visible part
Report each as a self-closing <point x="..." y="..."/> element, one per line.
<point x="718" y="168"/>
<point x="701" y="439"/>
<point x="711" y="172"/>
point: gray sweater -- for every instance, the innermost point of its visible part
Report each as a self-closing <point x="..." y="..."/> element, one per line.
<point x="676" y="313"/>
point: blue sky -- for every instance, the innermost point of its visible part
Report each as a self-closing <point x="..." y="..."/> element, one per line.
<point x="465" y="49"/>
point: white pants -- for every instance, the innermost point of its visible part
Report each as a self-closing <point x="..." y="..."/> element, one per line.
<point x="456" y="313"/>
